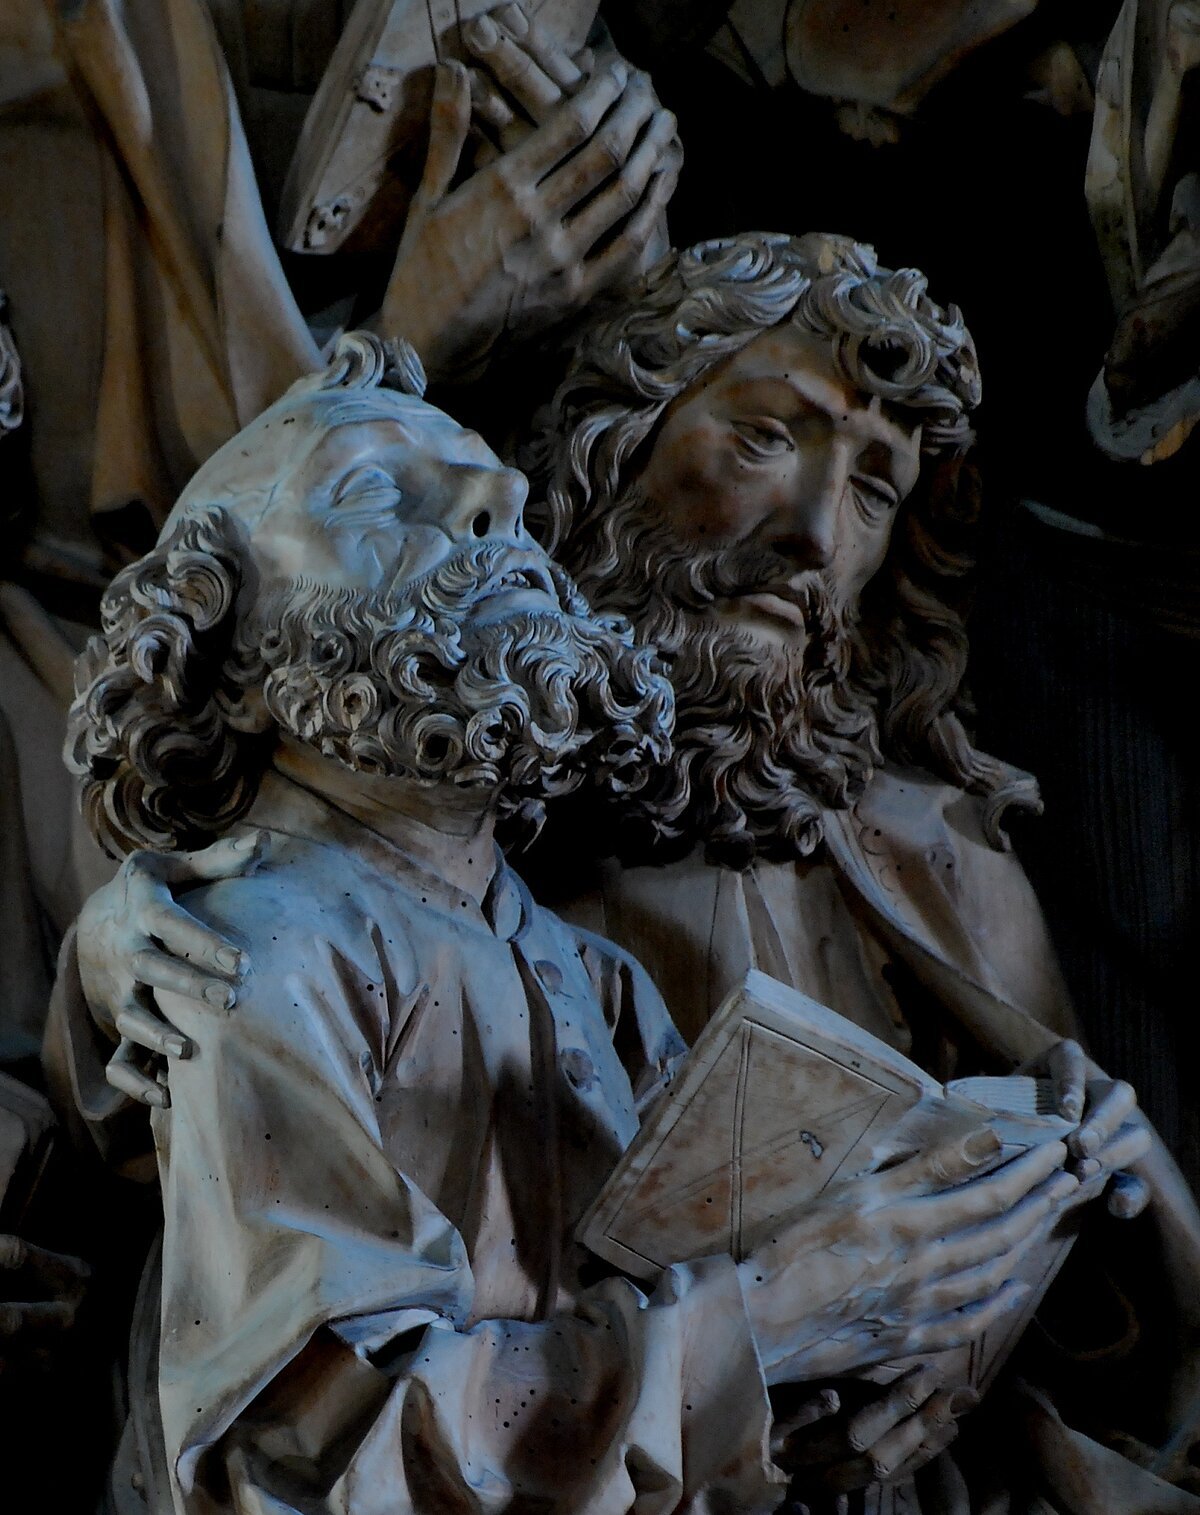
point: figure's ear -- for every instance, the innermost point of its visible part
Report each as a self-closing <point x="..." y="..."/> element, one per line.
<point x="248" y="713"/>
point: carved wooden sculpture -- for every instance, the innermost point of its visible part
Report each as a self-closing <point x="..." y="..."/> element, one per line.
<point x="161" y="138"/>
<point x="1143" y="187"/>
<point x="789" y="530"/>
<point x="371" y="1170"/>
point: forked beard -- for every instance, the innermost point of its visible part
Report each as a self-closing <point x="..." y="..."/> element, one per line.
<point x="763" y="738"/>
<point x="412" y="687"/>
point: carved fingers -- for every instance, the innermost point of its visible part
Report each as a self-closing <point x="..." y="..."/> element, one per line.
<point x="1067" y="1067"/>
<point x="55" y="1270"/>
<point x="639" y="190"/>
<point x="960" y="1283"/>
<point x="125" y="1071"/>
<point x="570" y="127"/>
<point x="30" y="1274"/>
<point x="563" y="69"/>
<point x="973" y="1286"/>
<point x="805" y="1412"/>
<point x="929" y="1216"/>
<point x="148" y="1031"/>
<point x="36" y="1318"/>
<point x="1124" y="1150"/>
<point x="1006" y="1232"/>
<point x="1110" y="1135"/>
<point x="885" y="1440"/>
<point x="882" y="1267"/>
<point x="605" y="165"/>
<point x="940" y="1167"/>
<point x="153" y="914"/>
<point x="1110" y="1104"/>
<point x="1128" y="1195"/>
<point x="1112" y="1138"/>
<point x="941" y="1425"/>
<point x="567" y="198"/>
<point x="938" y="1269"/>
<point x="523" y="75"/>
<point x="928" y="1431"/>
<point x="134" y="939"/>
<point x="609" y="148"/>
<point x="231" y="857"/>
<point x="640" y="242"/>
<point x="854" y="1433"/>
<point x="964" y="1324"/>
<point x="449" y="124"/>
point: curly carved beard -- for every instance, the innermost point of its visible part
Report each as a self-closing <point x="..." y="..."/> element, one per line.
<point x="416" y="687"/>
<point x="762" y="741"/>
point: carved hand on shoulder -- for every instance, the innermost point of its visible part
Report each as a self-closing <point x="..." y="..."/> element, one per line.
<point x="567" y="199"/>
<point x="904" y="1263"/>
<point x="132" y="938"/>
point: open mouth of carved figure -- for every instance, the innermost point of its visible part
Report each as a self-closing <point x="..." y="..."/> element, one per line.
<point x="528" y="587"/>
<point x="775" y="607"/>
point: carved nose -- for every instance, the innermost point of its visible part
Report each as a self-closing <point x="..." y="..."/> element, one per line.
<point x="808" y="547"/>
<point x="804" y="528"/>
<point x="805" y="533"/>
<point x="490" y="501"/>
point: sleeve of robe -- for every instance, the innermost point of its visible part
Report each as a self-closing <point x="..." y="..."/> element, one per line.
<point x="318" y="1346"/>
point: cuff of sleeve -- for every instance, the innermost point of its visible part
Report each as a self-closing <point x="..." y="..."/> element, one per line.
<point x="726" y="1420"/>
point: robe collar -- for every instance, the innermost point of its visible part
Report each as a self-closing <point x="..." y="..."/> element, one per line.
<point x="288" y="806"/>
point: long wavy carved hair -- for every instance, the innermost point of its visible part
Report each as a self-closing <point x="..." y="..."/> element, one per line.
<point x="702" y="305"/>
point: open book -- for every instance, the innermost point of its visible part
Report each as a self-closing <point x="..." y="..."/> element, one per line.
<point x="779" y="1099"/>
<point x="362" y="146"/>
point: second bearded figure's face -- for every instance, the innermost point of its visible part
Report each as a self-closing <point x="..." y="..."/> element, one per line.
<point x="776" y="459"/>
<point x="765" y="507"/>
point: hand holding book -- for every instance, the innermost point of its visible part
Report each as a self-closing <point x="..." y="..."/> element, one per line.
<point x="915" y="1260"/>
<point x="878" y="1217"/>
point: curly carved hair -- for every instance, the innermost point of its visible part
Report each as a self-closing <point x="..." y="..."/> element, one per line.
<point x="205" y="658"/>
<point x="704" y="304"/>
<point x="152" y="733"/>
<point x="155" y="731"/>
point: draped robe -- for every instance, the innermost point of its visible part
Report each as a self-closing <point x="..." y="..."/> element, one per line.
<point x="912" y="926"/>
<point x="371" y="1169"/>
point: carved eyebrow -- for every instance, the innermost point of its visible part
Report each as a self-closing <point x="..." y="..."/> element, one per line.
<point x="768" y="392"/>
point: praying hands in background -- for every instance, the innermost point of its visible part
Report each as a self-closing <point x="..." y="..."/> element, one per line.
<point x="574" y="161"/>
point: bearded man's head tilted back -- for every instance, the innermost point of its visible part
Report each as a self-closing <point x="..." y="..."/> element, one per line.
<point x="352" y="573"/>
<point x="761" y="461"/>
